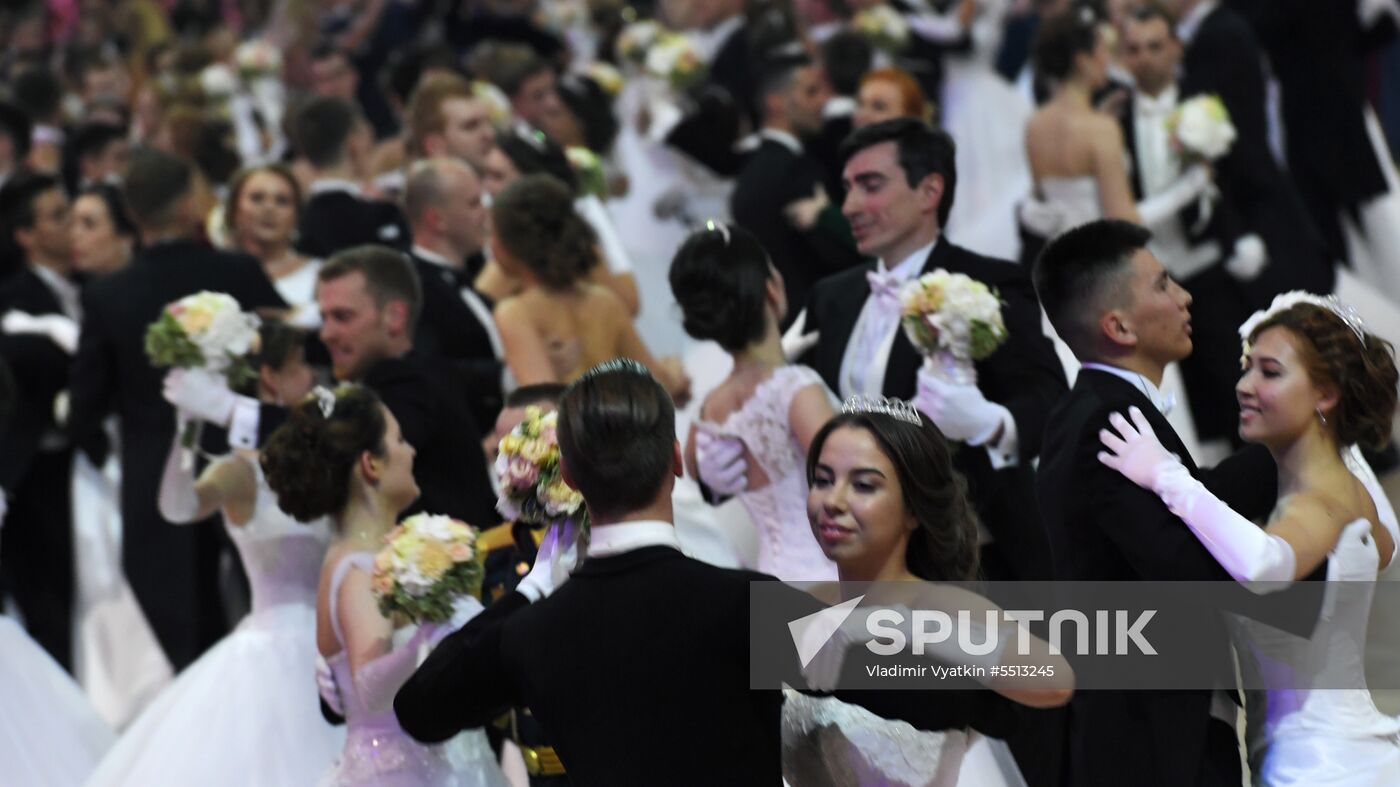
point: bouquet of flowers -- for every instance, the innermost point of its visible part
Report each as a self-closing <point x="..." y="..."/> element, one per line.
<point x="636" y="40"/>
<point x="532" y="488"/>
<point x="606" y="76"/>
<point x="207" y="330"/>
<point x="427" y="563"/>
<point x="257" y="59"/>
<point x="1200" y="128"/>
<point x="676" y="60"/>
<point x="885" y="28"/>
<point x="953" y="320"/>
<point x="589" y="169"/>
<point x="496" y="101"/>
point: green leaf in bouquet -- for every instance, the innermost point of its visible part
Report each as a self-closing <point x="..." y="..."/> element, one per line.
<point x="986" y="339"/>
<point x="167" y="344"/>
<point x="920" y="333"/>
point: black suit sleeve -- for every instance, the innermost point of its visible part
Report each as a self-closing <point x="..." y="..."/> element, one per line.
<point x="1247" y="481"/>
<point x="463" y="682"/>
<point x="40" y="369"/>
<point x="94" y="373"/>
<point x="1024" y="375"/>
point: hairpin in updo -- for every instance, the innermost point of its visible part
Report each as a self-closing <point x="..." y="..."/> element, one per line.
<point x="895" y="408"/>
<point x="718" y="226"/>
<point x="325" y="400"/>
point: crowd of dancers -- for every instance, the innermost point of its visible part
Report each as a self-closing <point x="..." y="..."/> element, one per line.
<point x="684" y="225"/>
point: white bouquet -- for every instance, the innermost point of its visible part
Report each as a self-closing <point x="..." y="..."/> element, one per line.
<point x="427" y="563"/>
<point x="676" y="60"/>
<point x="885" y="27"/>
<point x="1200" y="128"/>
<point x="953" y="320"/>
<point x="636" y="40"/>
<point x="257" y="59"/>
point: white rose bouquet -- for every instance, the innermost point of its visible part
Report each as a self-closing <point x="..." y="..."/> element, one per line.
<point x="953" y="320"/>
<point x="1200" y="128"/>
<point x="207" y="330"/>
<point x="427" y="563"/>
<point x="885" y="28"/>
<point x="676" y="60"/>
<point x="257" y="59"/>
<point x="636" y="40"/>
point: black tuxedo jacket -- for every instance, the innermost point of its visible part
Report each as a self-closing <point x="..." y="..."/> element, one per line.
<point x="450" y="467"/>
<point x="1224" y="58"/>
<point x="1024" y="375"/>
<point x="772" y="177"/>
<point x="724" y="106"/>
<point x="638" y="669"/>
<point x="1104" y="527"/>
<point x="825" y="147"/>
<point x="40" y="370"/>
<point x="111" y="372"/>
<point x="1317" y="52"/>
<point x="448" y="330"/>
<point x="336" y="220"/>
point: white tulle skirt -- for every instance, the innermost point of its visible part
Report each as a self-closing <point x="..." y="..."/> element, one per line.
<point x="245" y="713"/>
<point x="49" y="734"/>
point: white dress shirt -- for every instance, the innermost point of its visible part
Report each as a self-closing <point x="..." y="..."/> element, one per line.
<point x="615" y="539"/>
<point x="1158" y="169"/>
<point x="329" y="185"/>
<point x="867" y="353"/>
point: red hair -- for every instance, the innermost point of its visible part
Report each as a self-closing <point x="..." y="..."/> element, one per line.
<point x="911" y="97"/>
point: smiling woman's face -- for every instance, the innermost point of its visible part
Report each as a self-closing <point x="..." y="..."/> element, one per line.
<point x="855" y="503"/>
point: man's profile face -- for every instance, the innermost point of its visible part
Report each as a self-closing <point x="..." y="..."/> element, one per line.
<point x="467" y="132"/>
<point x="354" y="328"/>
<point x="1160" y="312"/>
<point x="334" y="76"/>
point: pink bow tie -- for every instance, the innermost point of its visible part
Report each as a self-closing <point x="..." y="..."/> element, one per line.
<point x="884" y="288"/>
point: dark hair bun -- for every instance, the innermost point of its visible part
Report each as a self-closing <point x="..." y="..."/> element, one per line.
<point x="719" y="278"/>
<point x="308" y="461"/>
<point x="1063" y="37"/>
<point x="534" y="218"/>
<point x="1363" y="369"/>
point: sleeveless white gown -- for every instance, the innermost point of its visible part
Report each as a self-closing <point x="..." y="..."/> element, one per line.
<point x="246" y="712"/>
<point x="1331" y="734"/>
<point x="49" y="735"/>
<point x="786" y="547"/>
<point x="377" y="751"/>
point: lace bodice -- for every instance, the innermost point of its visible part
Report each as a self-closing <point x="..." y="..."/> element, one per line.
<point x="830" y="742"/>
<point x="786" y="547"/>
<point x="281" y="555"/>
<point x="1317" y="686"/>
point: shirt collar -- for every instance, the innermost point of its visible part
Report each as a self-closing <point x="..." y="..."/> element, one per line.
<point x="57" y="282"/>
<point x="327" y="185"/>
<point x="1163" y="103"/>
<point x="1189" y="24"/>
<point x="1161" y="402"/>
<point x="615" y="539"/>
<point x="433" y="257"/>
<point x="782" y="138"/>
<point x="910" y="266"/>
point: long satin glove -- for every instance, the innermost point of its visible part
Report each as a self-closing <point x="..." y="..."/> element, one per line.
<point x="1165" y="204"/>
<point x="1242" y="548"/>
<point x="327" y="687"/>
<point x="178" y="500"/>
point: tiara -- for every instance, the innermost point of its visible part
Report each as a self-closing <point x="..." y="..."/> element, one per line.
<point x="718" y="226"/>
<point x="895" y="408"/>
<point x="1344" y="311"/>
<point x="325" y="399"/>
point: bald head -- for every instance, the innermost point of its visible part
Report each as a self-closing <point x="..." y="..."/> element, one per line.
<point x="442" y="199"/>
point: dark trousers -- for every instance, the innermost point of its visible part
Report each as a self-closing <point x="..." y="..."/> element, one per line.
<point x="36" y="552"/>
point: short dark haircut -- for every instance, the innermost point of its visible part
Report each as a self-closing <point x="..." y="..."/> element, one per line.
<point x="18" y="196"/>
<point x="111" y="197"/>
<point x="322" y="128"/>
<point x="153" y="186"/>
<point x="779" y="72"/>
<point x="846" y="57"/>
<point x="93" y="138"/>
<point x="532" y="151"/>
<point x="719" y="278"/>
<point x="920" y="149"/>
<point x="389" y="276"/>
<point x="539" y="393"/>
<point x="38" y="90"/>
<point x="508" y="66"/>
<point x="16" y="125"/>
<point x="1083" y="273"/>
<point x="1150" y="11"/>
<point x="617" y="432"/>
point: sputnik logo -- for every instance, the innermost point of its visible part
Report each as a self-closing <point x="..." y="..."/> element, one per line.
<point x="811" y="632"/>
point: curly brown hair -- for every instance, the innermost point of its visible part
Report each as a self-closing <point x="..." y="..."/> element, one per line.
<point x="309" y="460"/>
<point x="534" y="219"/>
<point x="1362" y="367"/>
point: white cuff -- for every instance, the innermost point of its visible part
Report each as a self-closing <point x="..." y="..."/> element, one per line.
<point x="665" y="116"/>
<point x="243" y="425"/>
<point x="1005" y="452"/>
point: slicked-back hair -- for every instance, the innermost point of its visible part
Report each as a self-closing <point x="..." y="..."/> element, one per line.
<point x="920" y="149"/>
<point x="617" y="431"/>
<point x="1085" y="272"/>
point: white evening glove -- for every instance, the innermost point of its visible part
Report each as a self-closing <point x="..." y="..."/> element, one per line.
<point x="557" y="555"/>
<point x="1249" y="258"/>
<point x="1242" y="548"/>
<point x="959" y="410"/>
<point x="59" y="329"/>
<point x="1165" y="204"/>
<point x="327" y="687"/>
<point x="178" y="500"/>
<point x="203" y="394"/>
<point x="720" y="463"/>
